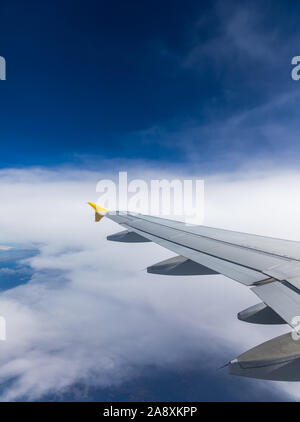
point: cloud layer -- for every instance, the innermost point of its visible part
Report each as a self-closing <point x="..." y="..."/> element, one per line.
<point x="90" y="312"/>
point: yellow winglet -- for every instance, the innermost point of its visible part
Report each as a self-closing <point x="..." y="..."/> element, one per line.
<point x="99" y="211"/>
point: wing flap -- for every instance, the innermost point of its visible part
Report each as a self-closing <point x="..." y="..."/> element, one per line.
<point x="283" y="298"/>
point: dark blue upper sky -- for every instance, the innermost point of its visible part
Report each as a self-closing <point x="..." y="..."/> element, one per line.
<point x="173" y="80"/>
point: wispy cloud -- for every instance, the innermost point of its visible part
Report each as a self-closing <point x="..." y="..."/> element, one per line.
<point x="242" y="61"/>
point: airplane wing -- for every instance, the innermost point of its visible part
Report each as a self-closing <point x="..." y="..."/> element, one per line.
<point x="269" y="266"/>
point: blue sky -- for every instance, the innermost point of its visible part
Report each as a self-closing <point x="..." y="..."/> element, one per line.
<point x="145" y="86"/>
<point x="137" y="79"/>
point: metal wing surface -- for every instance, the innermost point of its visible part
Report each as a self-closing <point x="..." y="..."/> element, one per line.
<point x="269" y="266"/>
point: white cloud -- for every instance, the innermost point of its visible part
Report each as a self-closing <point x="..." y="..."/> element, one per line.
<point x="90" y="313"/>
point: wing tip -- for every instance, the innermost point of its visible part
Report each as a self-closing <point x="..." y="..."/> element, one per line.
<point x="99" y="211"/>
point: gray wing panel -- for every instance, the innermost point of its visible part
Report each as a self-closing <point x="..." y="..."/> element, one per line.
<point x="282" y="247"/>
<point x="251" y="258"/>
<point x="284" y="299"/>
<point x="236" y="272"/>
<point x="233" y="251"/>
